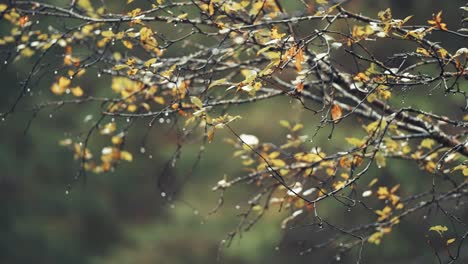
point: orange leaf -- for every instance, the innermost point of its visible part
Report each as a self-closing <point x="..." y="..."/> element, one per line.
<point x="299" y="59"/>
<point x="336" y="112"/>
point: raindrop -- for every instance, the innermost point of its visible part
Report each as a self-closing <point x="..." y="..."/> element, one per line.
<point x="238" y="207"/>
<point x="50" y="116"/>
<point x="301" y="253"/>
<point x="150" y="156"/>
<point x="349" y="209"/>
<point x="5" y="62"/>
<point x="277" y="248"/>
<point x="99" y="75"/>
<point x="172" y="206"/>
<point x="195" y="212"/>
<point x="55" y="72"/>
<point x="161" y="120"/>
<point x="163" y="194"/>
<point x="67" y="192"/>
<point x="338" y="257"/>
<point x="112" y="119"/>
<point x="28" y="90"/>
<point x="128" y="120"/>
<point x="71" y="77"/>
<point x="424" y="216"/>
<point x="3" y="119"/>
<point x="168" y="120"/>
<point x="142" y="150"/>
<point x="166" y="114"/>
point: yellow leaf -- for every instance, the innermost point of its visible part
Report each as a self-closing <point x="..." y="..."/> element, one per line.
<point x="77" y="91"/>
<point x="427" y="143"/>
<point x="159" y="100"/>
<point x="211" y="8"/>
<point x="439" y="229"/>
<point x="465" y="171"/>
<point x="196" y="101"/>
<point x="182" y="16"/>
<point x="3" y="7"/>
<point x="108" y="34"/>
<point x="297" y="127"/>
<point x="150" y="62"/>
<point x="380" y="160"/>
<point x="284" y="123"/>
<point x="125" y="155"/>
<point x="210" y="135"/>
<point x="119" y="67"/>
<point x="355" y="141"/>
<point x="117" y="140"/>
<point x="217" y="82"/>
<point x="127" y="44"/>
<point x="108" y="128"/>
<point x="450" y="241"/>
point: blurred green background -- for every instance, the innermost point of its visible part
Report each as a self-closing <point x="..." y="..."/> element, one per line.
<point x="121" y="217"/>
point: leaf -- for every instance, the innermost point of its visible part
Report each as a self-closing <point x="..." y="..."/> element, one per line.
<point x="297" y="127"/>
<point x="182" y="16"/>
<point x="150" y="62"/>
<point x="336" y="112"/>
<point x="119" y="67"/>
<point x="439" y="229"/>
<point x="125" y="155"/>
<point x="284" y="123"/>
<point x="450" y="241"/>
<point x="196" y="101"/>
<point x="299" y="60"/>
<point x="210" y="135"/>
<point x="108" y="34"/>
<point x="427" y="143"/>
<point x="465" y="171"/>
<point x="108" y="128"/>
<point x="217" y="83"/>
<point x="380" y="160"/>
<point x="355" y="141"/>
<point x="77" y="91"/>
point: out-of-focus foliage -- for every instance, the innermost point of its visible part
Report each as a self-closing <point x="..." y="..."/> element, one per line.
<point x="293" y="113"/>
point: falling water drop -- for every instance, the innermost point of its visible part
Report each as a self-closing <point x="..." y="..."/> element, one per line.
<point x="163" y="194"/>
<point x="50" y="116"/>
<point x="142" y="150"/>
<point x="128" y="120"/>
<point x="161" y="120"/>
<point x="168" y="120"/>
<point x="55" y="72"/>
<point x="195" y="212"/>
<point x="150" y="156"/>
<point x="67" y="192"/>
<point x="99" y="75"/>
